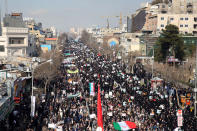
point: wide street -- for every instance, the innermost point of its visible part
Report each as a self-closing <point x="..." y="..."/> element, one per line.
<point x="71" y="105"/>
<point x="98" y="65"/>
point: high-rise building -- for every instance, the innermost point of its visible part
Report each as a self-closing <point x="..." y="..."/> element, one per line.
<point x="54" y="30"/>
<point x="14" y="39"/>
<point x="138" y="20"/>
<point x="129" y="24"/>
<point x="13" y="20"/>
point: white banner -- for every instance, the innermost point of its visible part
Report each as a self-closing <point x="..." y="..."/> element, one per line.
<point x="110" y="114"/>
<point x="180" y="121"/>
<point x="33" y="102"/>
<point x="92" y="116"/>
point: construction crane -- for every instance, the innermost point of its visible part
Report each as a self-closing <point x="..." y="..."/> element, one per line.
<point x="120" y="20"/>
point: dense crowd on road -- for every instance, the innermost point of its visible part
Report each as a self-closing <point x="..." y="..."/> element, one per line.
<point x="124" y="96"/>
<point x="68" y="105"/>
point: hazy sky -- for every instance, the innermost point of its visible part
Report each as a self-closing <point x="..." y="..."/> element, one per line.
<point x="64" y="14"/>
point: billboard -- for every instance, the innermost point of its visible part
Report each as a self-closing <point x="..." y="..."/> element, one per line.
<point x="45" y="48"/>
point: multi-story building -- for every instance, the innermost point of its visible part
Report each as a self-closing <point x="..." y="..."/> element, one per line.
<point x="184" y="6"/>
<point x="54" y="31"/>
<point x="129" y="24"/>
<point x="155" y="17"/>
<point x="187" y="23"/>
<point x="35" y="29"/>
<point x="14" y="39"/>
<point x="130" y="42"/>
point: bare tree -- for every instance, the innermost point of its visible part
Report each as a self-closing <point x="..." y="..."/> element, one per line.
<point x="49" y="70"/>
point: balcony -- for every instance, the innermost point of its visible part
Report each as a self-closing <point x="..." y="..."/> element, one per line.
<point x="14" y="30"/>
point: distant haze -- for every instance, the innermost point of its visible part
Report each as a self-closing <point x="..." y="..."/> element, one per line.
<point x="65" y="14"/>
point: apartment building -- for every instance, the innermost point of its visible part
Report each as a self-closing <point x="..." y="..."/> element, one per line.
<point x="184" y="6"/>
<point x="14" y="39"/>
<point x="187" y="23"/>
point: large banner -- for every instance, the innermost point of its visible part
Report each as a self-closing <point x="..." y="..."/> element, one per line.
<point x="92" y="89"/>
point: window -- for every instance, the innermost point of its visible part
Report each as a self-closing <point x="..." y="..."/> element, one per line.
<point x="162" y="18"/>
<point x="15" y="40"/>
<point x="186" y="18"/>
<point x="181" y="18"/>
<point x="181" y="25"/>
<point x="186" y="25"/>
<point x="195" y="19"/>
<point x="171" y="18"/>
<point x="2" y="48"/>
<point x="129" y="40"/>
<point x="162" y="25"/>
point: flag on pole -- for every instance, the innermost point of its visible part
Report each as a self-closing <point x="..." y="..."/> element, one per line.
<point x="99" y="110"/>
<point x="92" y="89"/>
<point x="124" y="126"/>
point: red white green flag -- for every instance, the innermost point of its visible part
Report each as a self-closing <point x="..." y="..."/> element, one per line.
<point x="124" y="126"/>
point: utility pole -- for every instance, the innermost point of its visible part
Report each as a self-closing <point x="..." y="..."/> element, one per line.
<point x="153" y="57"/>
<point x="32" y="81"/>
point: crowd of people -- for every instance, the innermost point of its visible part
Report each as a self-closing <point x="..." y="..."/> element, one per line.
<point x="124" y="96"/>
<point x="69" y="106"/>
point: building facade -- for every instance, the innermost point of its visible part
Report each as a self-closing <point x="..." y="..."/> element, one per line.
<point x="14" y="41"/>
<point x="187" y="23"/>
<point x="15" y="37"/>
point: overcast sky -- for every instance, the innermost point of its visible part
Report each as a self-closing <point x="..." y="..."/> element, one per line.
<point x="64" y="14"/>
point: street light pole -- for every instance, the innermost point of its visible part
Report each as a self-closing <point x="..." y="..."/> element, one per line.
<point x="153" y="56"/>
<point x="32" y="83"/>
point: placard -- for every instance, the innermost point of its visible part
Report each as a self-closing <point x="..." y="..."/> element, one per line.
<point x="158" y="111"/>
<point x="110" y="114"/>
<point x="106" y="96"/>
<point x="92" y="116"/>
<point x="52" y="126"/>
<point x="110" y="93"/>
<point x="132" y="97"/>
<point x="150" y="97"/>
<point x="123" y="114"/>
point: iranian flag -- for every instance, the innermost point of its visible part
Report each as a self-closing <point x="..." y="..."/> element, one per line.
<point x="124" y="126"/>
<point x="92" y="89"/>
